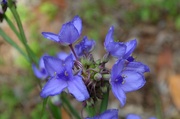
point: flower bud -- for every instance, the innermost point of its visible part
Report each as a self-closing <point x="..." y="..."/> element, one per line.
<point x="106" y="58"/>
<point x="90" y="102"/>
<point x="106" y="76"/>
<point x="97" y="77"/>
<point x="104" y="89"/>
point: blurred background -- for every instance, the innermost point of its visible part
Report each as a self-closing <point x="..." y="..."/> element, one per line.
<point x="154" y="23"/>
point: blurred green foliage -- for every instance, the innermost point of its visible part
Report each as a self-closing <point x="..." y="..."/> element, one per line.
<point x="49" y="9"/>
<point x="153" y="11"/>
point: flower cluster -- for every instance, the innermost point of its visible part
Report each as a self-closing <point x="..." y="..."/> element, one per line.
<point x="86" y="79"/>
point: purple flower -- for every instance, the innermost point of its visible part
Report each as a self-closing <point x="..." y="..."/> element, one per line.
<point x="133" y="116"/>
<point x="84" y="47"/>
<point x="62" y="77"/>
<point x="108" y="114"/>
<point x="126" y="78"/>
<point x="68" y="34"/>
<point x="116" y="49"/>
<point x="40" y="72"/>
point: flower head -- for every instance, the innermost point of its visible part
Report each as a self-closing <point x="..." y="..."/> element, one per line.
<point x="62" y="77"/>
<point x="108" y="114"/>
<point x="40" y="72"/>
<point x="126" y="78"/>
<point x="84" y="47"/>
<point x="68" y="34"/>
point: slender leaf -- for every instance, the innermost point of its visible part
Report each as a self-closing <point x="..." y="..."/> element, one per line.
<point x="10" y="23"/>
<point x="56" y="112"/>
<point x="12" y="43"/>
<point x="23" y="39"/>
<point x="66" y="102"/>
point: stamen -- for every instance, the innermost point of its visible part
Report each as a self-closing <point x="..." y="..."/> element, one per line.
<point x="123" y="81"/>
<point x="65" y="73"/>
<point x="55" y="73"/>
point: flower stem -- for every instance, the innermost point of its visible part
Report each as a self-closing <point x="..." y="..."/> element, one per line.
<point x="23" y="39"/>
<point x="72" y="49"/>
<point x="104" y="102"/>
<point x="66" y="102"/>
<point x="91" y="111"/>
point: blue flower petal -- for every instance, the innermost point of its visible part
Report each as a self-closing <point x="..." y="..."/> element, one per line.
<point x="68" y="34"/>
<point x="138" y="67"/>
<point x="69" y="62"/>
<point x="132" y="81"/>
<point x="38" y="73"/>
<point x="51" y="36"/>
<point x="53" y="87"/>
<point x="109" y="37"/>
<point x="77" y="23"/>
<point x="116" y="69"/>
<point x="130" y="46"/>
<point x="108" y="114"/>
<point x="133" y="116"/>
<point x="116" y="49"/>
<point x="77" y="88"/>
<point x="41" y="62"/>
<point x="118" y="93"/>
<point x="62" y="55"/>
<point x="53" y="65"/>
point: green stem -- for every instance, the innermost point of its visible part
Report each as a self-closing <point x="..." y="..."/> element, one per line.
<point x="56" y="112"/>
<point x="11" y="25"/>
<point x="91" y="111"/>
<point x="44" y="107"/>
<point x="23" y="39"/>
<point x="66" y="102"/>
<point x="104" y="102"/>
<point x="11" y="42"/>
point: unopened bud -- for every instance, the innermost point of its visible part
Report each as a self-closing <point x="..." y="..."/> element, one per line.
<point x="90" y="102"/>
<point x="104" y="89"/>
<point x="97" y="77"/>
<point x="106" y="76"/>
<point x="105" y="58"/>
